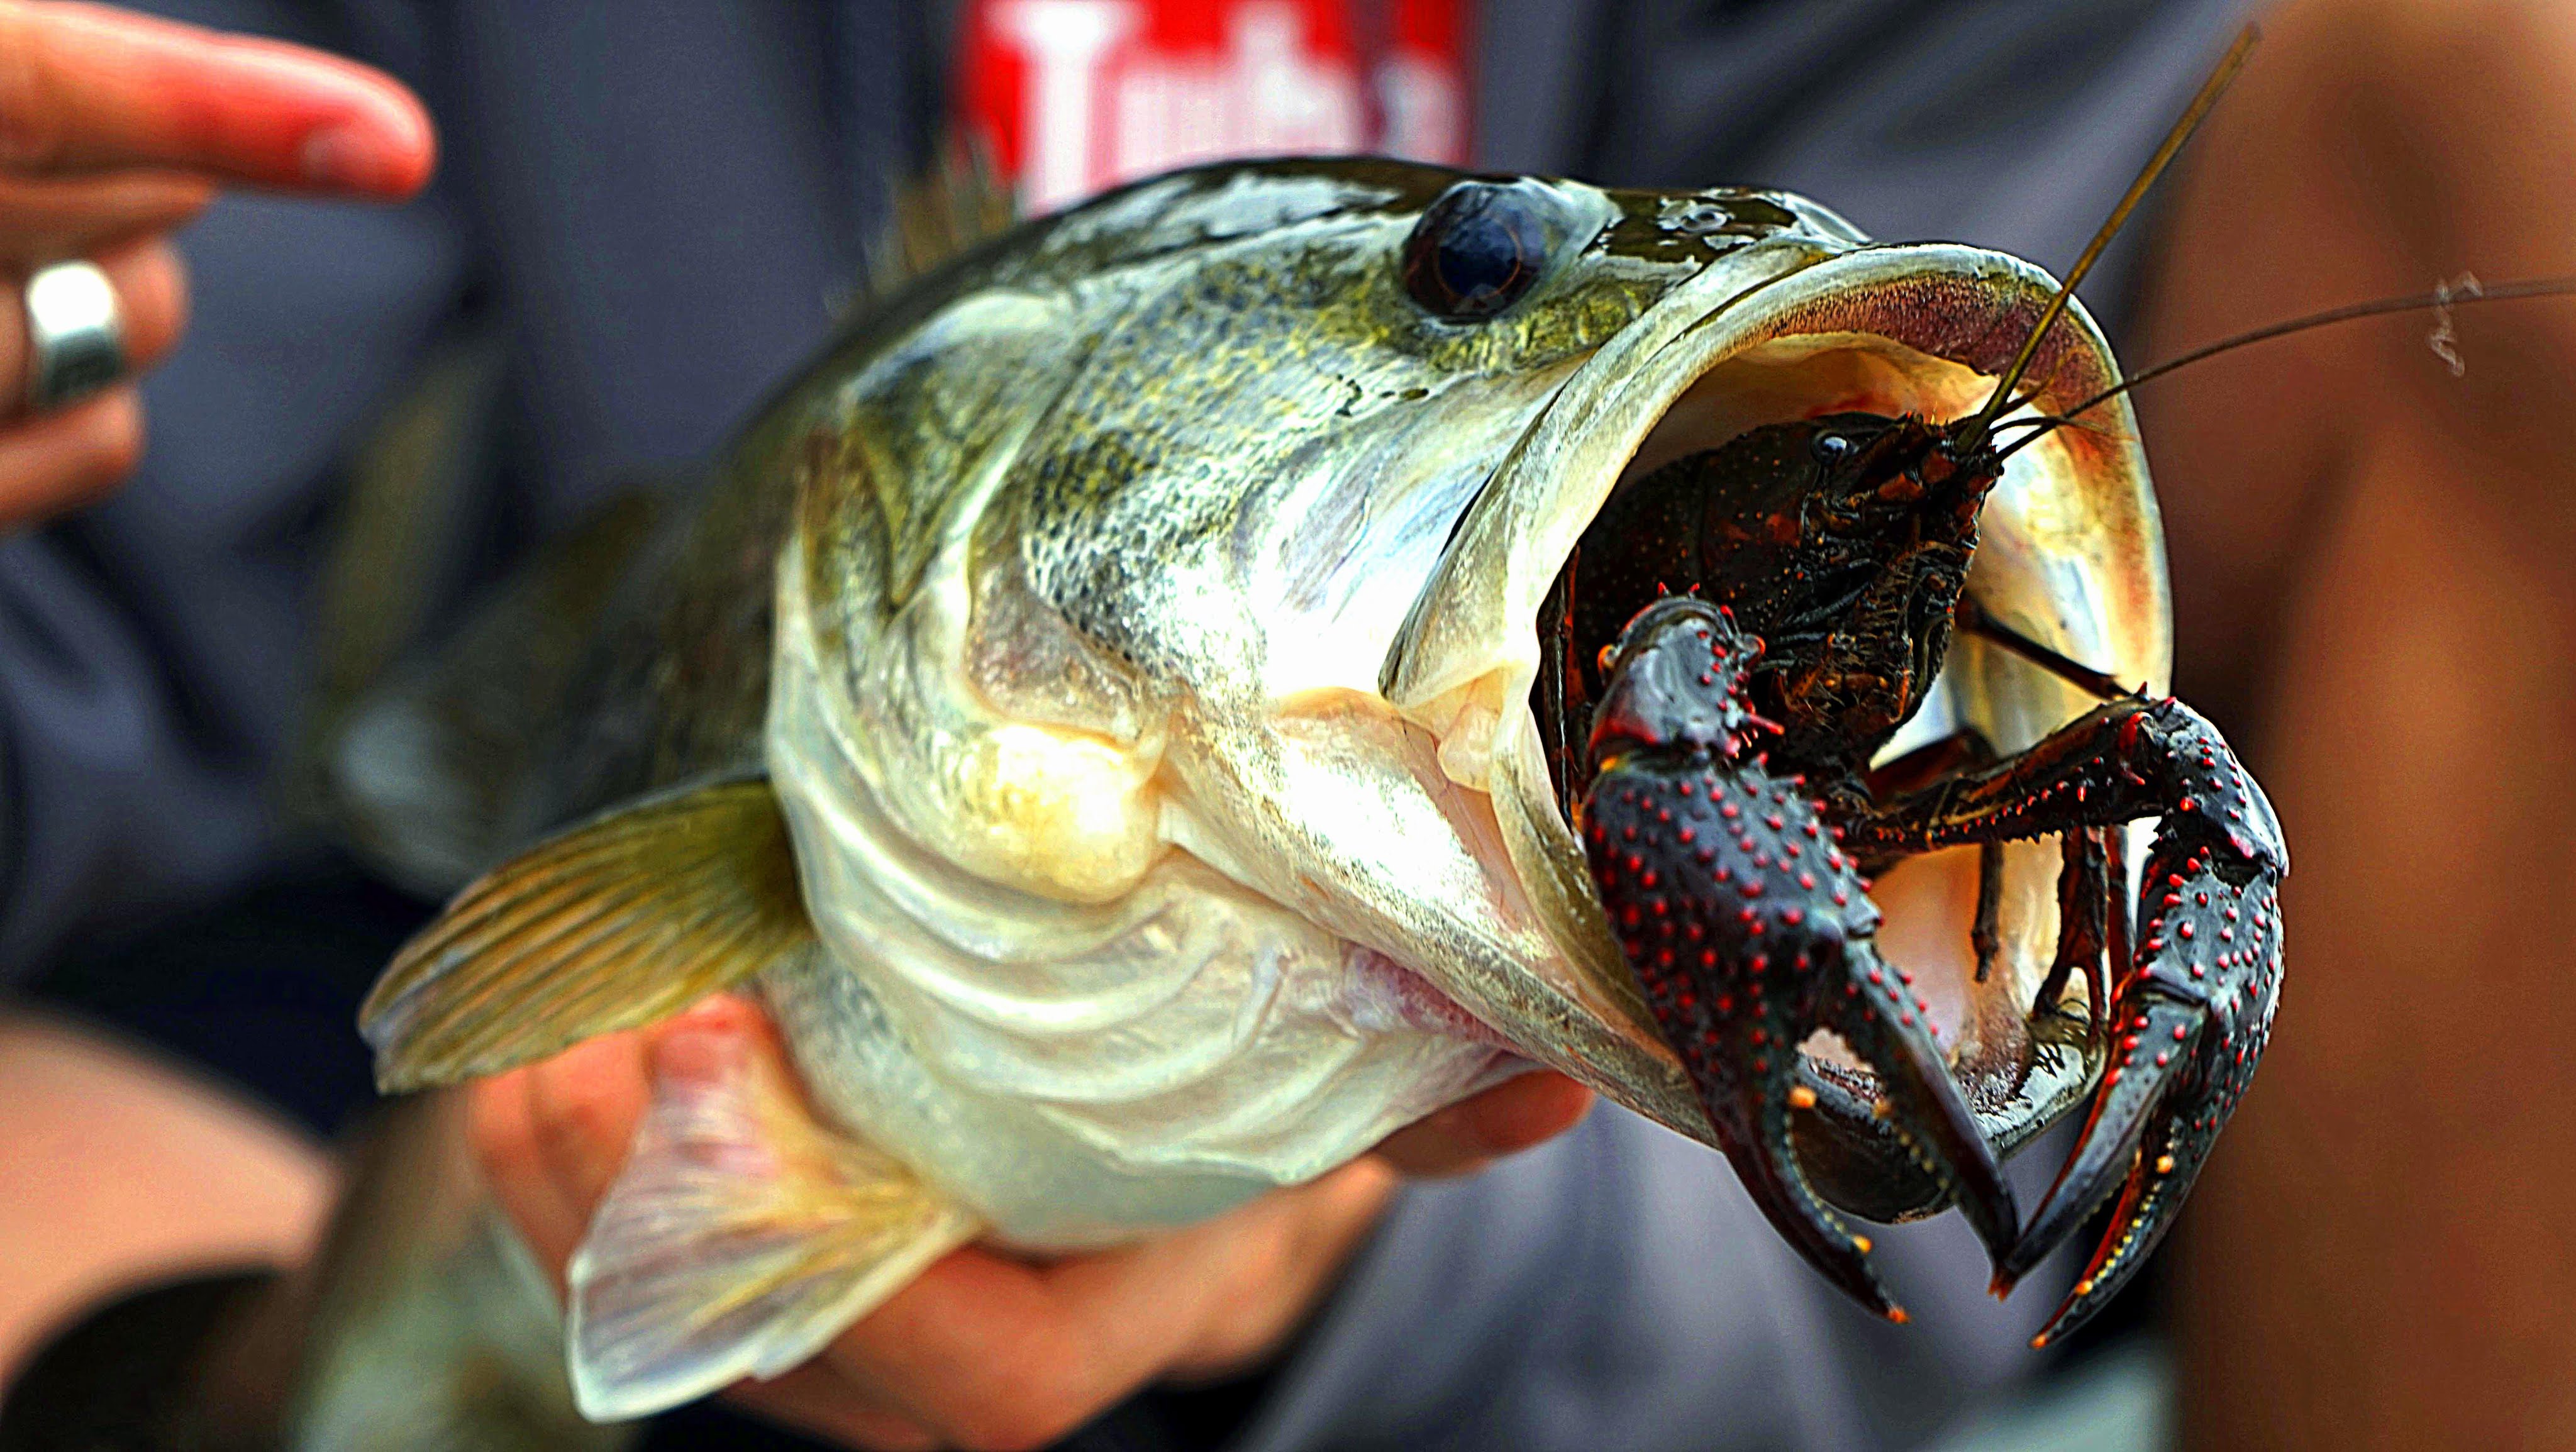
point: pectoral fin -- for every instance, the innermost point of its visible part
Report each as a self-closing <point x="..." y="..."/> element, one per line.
<point x="623" y="920"/>
<point x="740" y="1238"/>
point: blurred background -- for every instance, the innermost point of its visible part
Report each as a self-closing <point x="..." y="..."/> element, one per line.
<point x="646" y="215"/>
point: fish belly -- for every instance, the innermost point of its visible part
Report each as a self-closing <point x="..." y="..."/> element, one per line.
<point x="1075" y="1073"/>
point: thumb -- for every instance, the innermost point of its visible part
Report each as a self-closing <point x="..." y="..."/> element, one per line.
<point x="1505" y="1119"/>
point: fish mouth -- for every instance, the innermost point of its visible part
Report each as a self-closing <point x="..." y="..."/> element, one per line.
<point x="2071" y="555"/>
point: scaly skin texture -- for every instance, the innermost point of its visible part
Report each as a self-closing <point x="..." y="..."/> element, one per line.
<point x="1181" y="348"/>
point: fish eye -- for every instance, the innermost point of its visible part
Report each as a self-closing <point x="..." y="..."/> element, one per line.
<point x="1477" y="249"/>
<point x="1832" y="449"/>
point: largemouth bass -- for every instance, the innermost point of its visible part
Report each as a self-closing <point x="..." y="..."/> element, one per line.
<point x="1093" y="711"/>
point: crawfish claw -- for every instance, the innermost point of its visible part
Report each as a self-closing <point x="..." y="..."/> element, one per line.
<point x="2192" y="1016"/>
<point x="2133" y="1111"/>
<point x="1750" y="930"/>
<point x="1924" y="1103"/>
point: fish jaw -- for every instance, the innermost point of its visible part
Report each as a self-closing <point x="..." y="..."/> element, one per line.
<point x="2073" y="554"/>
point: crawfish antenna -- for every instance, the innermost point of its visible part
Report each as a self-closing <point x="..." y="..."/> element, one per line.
<point x="2564" y="286"/>
<point x="1975" y="430"/>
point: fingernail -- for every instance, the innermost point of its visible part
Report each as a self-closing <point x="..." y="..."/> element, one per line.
<point x="374" y="150"/>
<point x="347" y="155"/>
<point x="697" y="1053"/>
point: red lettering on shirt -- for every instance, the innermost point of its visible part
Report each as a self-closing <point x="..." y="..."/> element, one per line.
<point x="1071" y="96"/>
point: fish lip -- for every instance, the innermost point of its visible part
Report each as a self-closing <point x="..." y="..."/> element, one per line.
<point x="1963" y="304"/>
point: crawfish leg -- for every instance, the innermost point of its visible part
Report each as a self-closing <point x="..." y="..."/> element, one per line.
<point x="1749" y="929"/>
<point x="2084" y="888"/>
<point x="1990" y="897"/>
<point x="1934" y="761"/>
<point x="1972" y="618"/>
<point x="2192" y="1008"/>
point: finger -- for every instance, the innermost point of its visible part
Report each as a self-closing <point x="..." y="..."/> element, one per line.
<point x="818" y="1398"/>
<point x="1250" y="1274"/>
<point x="980" y="1351"/>
<point x="554" y="1135"/>
<point x="151" y="304"/>
<point x="1307" y="1258"/>
<point x="501" y="1125"/>
<point x="1508" y="1118"/>
<point x="49" y="218"/>
<point x="66" y="459"/>
<point x="715" y="1028"/>
<point x="587" y="1102"/>
<point x="87" y="86"/>
<point x="985" y="1350"/>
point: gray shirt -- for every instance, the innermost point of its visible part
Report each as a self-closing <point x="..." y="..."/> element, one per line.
<point x="650" y="210"/>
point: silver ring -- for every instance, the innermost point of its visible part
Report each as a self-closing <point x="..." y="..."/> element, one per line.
<point x="75" y="336"/>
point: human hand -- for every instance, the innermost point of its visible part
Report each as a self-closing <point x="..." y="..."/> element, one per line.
<point x="986" y="1350"/>
<point x="115" y="129"/>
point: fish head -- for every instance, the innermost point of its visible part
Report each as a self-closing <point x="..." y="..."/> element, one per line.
<point x="1206" y="528"/>
<point x="1802" y="323"/>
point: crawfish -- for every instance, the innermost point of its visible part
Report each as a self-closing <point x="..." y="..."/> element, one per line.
<point x="1768" y="613"/>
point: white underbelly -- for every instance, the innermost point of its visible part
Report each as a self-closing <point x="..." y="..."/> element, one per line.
<point x="1076" y="1072"/>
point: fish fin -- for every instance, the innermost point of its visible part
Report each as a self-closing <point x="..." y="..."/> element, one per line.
<point x="625" y="919"/>
<point x="426" y="770"/>
<point x="740" y="1238"/>
<point x="957" y="201"/>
